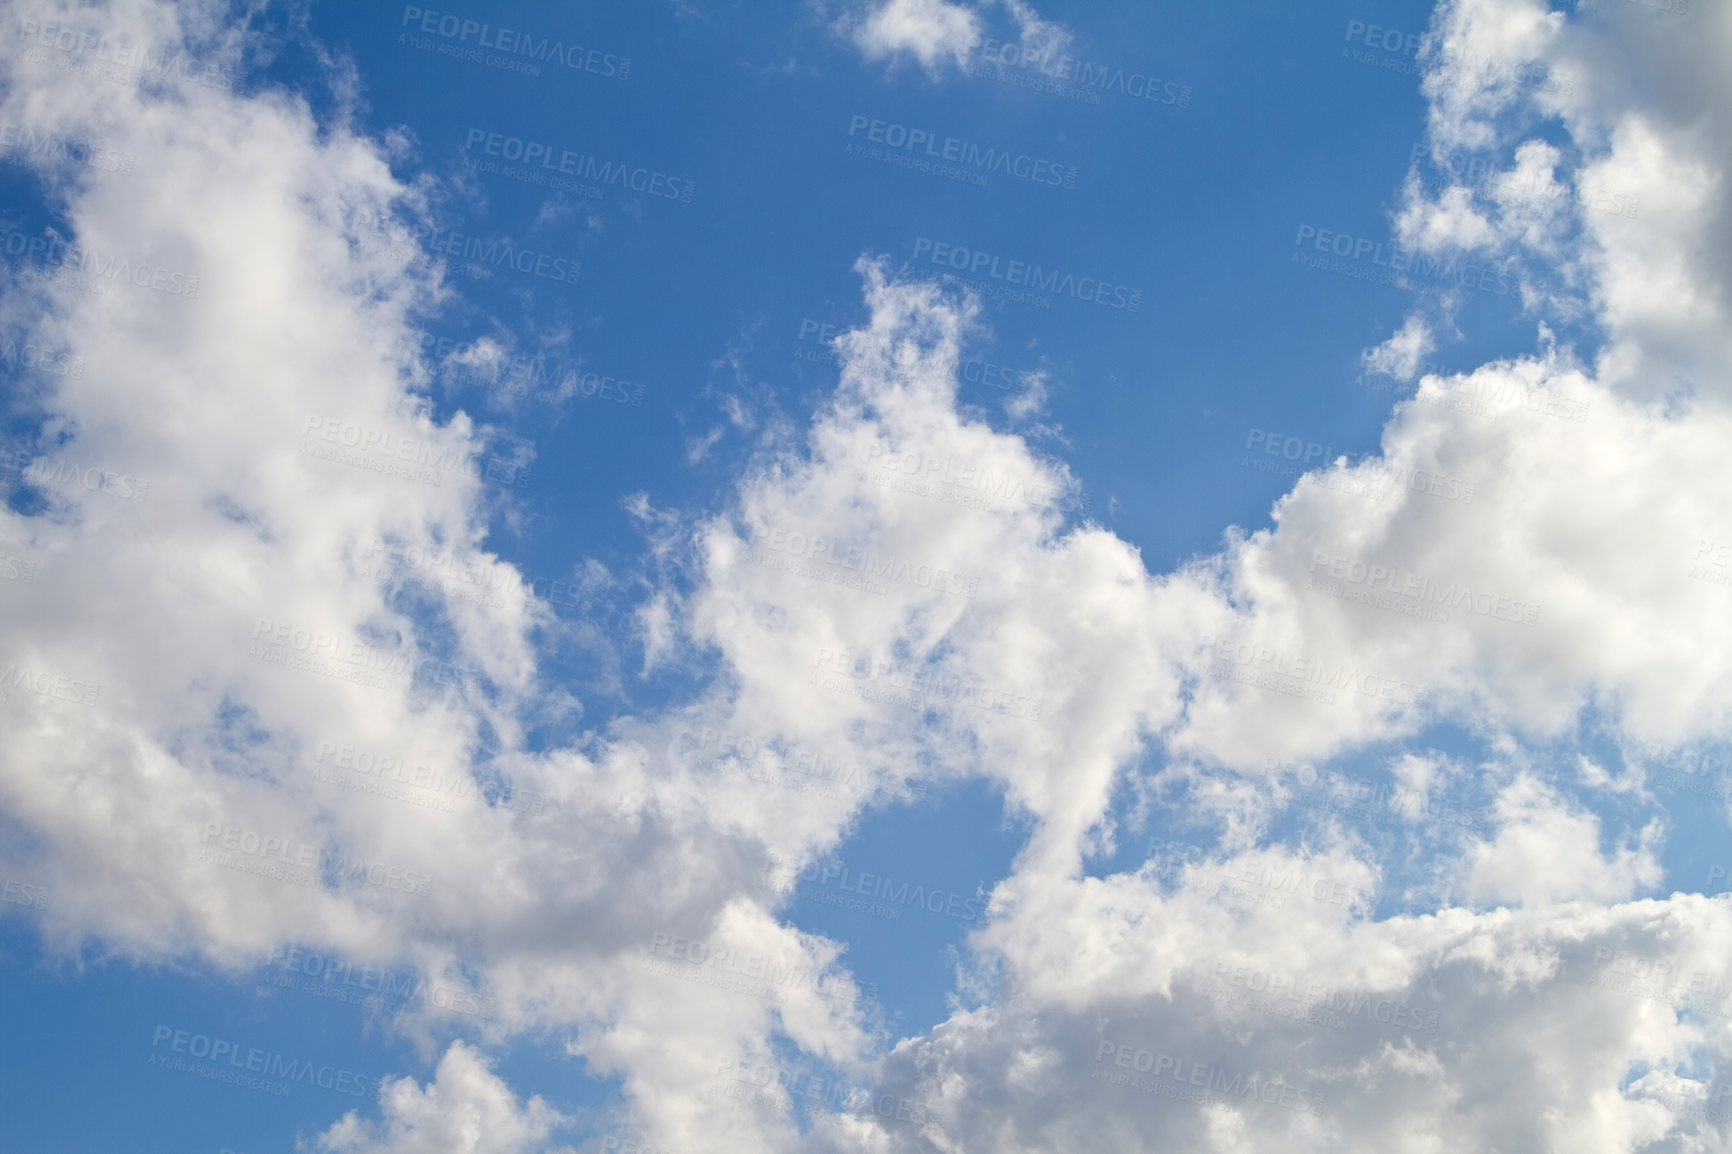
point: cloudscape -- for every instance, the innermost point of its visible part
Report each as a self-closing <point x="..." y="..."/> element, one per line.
<point x="866" y="576"/>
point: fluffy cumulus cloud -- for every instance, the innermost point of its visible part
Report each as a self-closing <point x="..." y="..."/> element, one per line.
<point x="1402" y="354"/>
<point x="466" y="1109"/>
<point x="260" y="601"/>
<point x="934" y="32"/>
<point x="1544" y="1003"/>
<point x="928" y="30"/>
<point x="899" y="589"/>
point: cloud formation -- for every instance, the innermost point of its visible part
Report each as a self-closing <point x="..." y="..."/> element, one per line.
<point x="928" y="30"/>
<point x="466" y="1109"/>
<point x="280" y="624"/>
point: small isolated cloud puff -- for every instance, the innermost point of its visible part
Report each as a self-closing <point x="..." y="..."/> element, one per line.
<point x="1401" y="355"/>
<point x="928" y="30"/>
<point x="466" y="1109"/>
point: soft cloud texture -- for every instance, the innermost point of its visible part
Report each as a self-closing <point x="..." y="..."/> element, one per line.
<point x="1547" y="506"/>
<point x="466" y="1109"/>
<point x="928" y="30"/>
<point x="936" y="31"/>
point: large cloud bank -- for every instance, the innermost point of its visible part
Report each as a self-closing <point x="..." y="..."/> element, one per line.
<point x="218" y="635"/>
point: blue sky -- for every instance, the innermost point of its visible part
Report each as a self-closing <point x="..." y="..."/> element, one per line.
<point x="442" y="680"/>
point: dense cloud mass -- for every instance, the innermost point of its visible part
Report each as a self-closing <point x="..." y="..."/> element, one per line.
<point x="253" y="602"/>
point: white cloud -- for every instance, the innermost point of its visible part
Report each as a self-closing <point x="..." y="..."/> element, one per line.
<point x="466" y="1109"/>
<point x="928" y="30"/>
<point x="1448" y="222"/>
<point x="1574" y="553"/>
<point x="195" y="610"/>
<point x="1401" y="355"/>
<point x="1545" y="852"/>
<point x="1479" y="53"/>
<point x="1634" y="230"/>
<point x="932" y="31"/>
<point x="1047" y="38"/>
<point x="1453" y="1032"/>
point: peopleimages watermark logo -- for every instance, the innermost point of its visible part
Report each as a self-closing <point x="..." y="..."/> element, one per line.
<point x="826" y="333"/>
<point x="496" y="253"/>
<point x="521" y="375"/>
<point x="41" y="359"/>
<point x="1392" y="263"/>
<point x="267" y="855"/>
<point x="966" y="483"/>
<point x="1318" y="1001"/>
<point x="390" y="776"/>
<point x="1024" y="275"/>
<point x="1070" y="77"/>
<point x="339" y="981"/>
<point x="517" y="51"/>
<point x="28" y="148"/>
<point x="1675" y="7"/>
<point x="400" y="778"/>
<point x="441" y="571"/>
<point x="749" y="1085"/>
<point x="756" y="976"/>
<point x="1660" y="980"/>
<point x="984" y="372"/>
<point x="1710" y="562"/>
<point x="31" y="895"/>
<point x="1194" y="1081"/>
<point x="835" y="1093"/>
<point x="541" y="159"/>
<point x="52" y="686"/>
<point x="222" y="1060"/>
<point x="918" y="688"/>
<point x="851" y="566"/>
<point x="1296" y="455"/>
<point x="1307" y="676"/>
<point x="379" y="450"/>
<point x="64" y="474"/>
<point x="613" y="1144"/>
<point x="328" y="654"/>
<point x="117" y="62"/>
<point x="790" y="767"/>
<point x="90" y="271"/>
<point x="782" y="876"/>
<point x="1415" y="587"/>
<point x="1395" y="50"/>
<point x="948" y="150"/>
